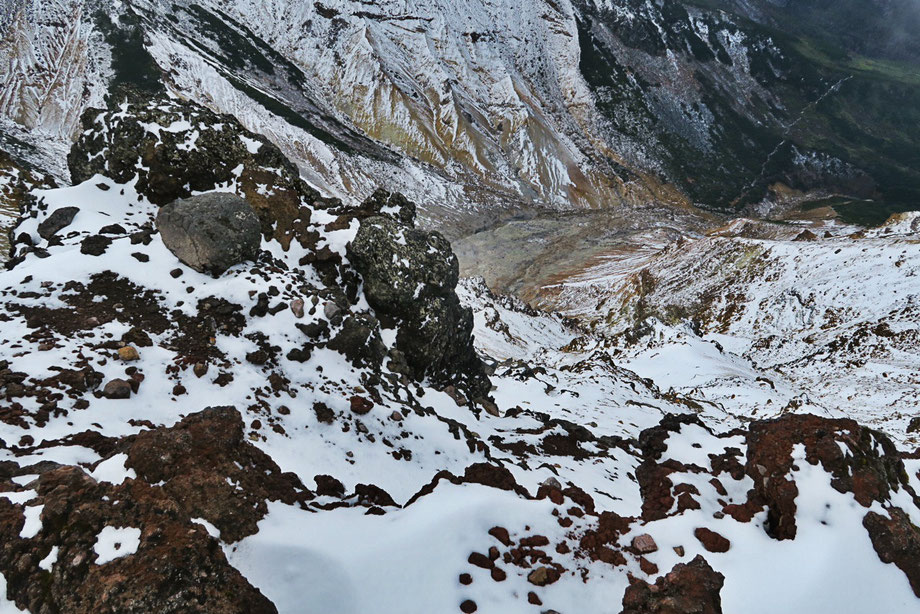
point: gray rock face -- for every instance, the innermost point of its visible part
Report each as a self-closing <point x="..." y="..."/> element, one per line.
<point x="410" y="277"/>
<point x="211" y="232"/>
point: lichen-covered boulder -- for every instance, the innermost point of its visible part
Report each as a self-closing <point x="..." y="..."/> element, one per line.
<point x="176" y="148"/>
<point x="410" y="279"/>
<point x="210" y="232"/>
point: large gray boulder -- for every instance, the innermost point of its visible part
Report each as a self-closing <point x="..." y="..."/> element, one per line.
<point x="211" y="232"/>
<point x="410" y="279"/>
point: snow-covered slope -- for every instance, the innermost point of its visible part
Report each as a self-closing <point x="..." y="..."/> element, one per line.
<point x="339" y="481"/>
<point x="770" y="316"/>
<point x="477" y="107"/>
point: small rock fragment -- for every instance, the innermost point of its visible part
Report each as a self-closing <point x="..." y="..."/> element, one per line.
<point x="95" y="245"/>
<point x="297" y="306"/>
<point x="712" y="541"/>
<point x="644" y="544"/>
<point x="128" y="353"/>
<point x="501" y="534"/>
<point x="360" y="405"/>
<point x="117" y="389"/>
<point x="480" y="560"/>
<point x="539" y="576"/>
<point x="58" y="220"/>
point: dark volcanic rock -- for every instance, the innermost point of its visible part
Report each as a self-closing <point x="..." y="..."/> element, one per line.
<point x="410" y="276"/>
<point x="360" y="341"/>
<point x="691" y="588"/>
<point x="57" y="221"/>
<point x="125" y="143"/>
<point x="210" y="232"/>
<point x="117" y="389"/>
<point x="95" y="245"/>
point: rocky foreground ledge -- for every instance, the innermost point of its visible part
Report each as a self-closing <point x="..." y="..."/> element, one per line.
<point x="214" y="408"/>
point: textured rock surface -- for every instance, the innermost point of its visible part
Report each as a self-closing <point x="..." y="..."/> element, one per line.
<point x="176" y="148"/>
<point x="210" y="232"/>
<point x="176" y="568"/>
<point x="410" y="277"/>
<point x="691" y="588"/>
<point x="862" y="461"/>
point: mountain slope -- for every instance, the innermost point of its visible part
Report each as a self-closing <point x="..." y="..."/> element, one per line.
<point x="485" y="106"/>
<point x="343" y="480"/>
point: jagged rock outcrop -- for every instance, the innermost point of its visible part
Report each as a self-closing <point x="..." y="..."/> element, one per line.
<point x="410" y="278"/>
<point x="176" y="148"/>
<point x="691" y="588"/>
<point x="210" y="232"/>
<point x="861" y="461"/>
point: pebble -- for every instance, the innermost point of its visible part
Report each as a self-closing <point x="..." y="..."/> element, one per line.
<point x="297" y="306"/>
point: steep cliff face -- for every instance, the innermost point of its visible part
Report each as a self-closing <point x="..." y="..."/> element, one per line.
<point x="485" y="106"/>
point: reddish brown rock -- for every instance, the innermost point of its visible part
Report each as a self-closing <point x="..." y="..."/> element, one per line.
<point x="501" y="534"/>
<point x="468" y="606"/>
<point x="599" y="544"/>
<point x="644" y="544"/>
<point x="896" y="540"/>
<point x="360" y="405"/>
<point x="869" y="470"/>
<point x="691" y="588"/>
<point x="207" y="466"/>
<point x="177" y="562"/>
<point x="712" y="541"/>
<point x="480" y="560"/>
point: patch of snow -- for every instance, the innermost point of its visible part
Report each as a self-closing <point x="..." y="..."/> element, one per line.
<point x="114" y="543"/>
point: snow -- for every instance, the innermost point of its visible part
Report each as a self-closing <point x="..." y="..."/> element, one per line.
<point x="48" y="562"/>
<point x="33" y="522"/>
<point x="114" y="543"/>
<point x="6" y="606"/>
<point x="113" y="470"/>
<point x="19" y="497"/>
<point x="407" y="560"/>
<point x="210" y="528"/>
